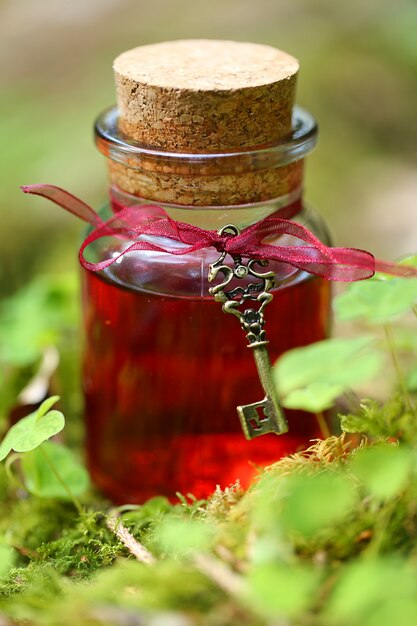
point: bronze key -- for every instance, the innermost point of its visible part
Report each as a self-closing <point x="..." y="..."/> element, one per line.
<point x="267" y="415"/>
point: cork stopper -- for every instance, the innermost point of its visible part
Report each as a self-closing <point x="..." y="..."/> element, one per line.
<point x="205" y="95"/>
<point x="202" y="96"/>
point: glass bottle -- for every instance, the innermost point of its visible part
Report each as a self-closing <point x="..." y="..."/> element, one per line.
<point x="164" y="368"/>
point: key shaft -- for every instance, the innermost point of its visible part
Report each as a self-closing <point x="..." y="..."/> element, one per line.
<point x="266" y="416"/>
<point x="264" y="367"/>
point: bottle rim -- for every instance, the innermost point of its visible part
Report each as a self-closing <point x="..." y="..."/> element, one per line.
<point x="135" y="155"/>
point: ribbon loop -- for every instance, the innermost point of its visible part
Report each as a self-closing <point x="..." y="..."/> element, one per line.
<point x="149" y="227"/>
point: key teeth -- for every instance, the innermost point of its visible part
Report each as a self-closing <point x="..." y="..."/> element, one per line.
<point x="255" y="426"/>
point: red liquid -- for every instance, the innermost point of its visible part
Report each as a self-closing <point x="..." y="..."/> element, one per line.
<point x="163" y="376"/>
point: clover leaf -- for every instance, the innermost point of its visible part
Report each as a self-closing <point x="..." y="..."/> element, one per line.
<point x="276" y="589"/>
<point x="383" y="469"/>
<point x="34" y="429"/>
<point x="314" y="398"/>
<point x="43" y="481"/>
<point x="377" y="299"/>
<point x="312" y="377"/>
<point x="367" y="587"/>
<point x="317" y="501"/>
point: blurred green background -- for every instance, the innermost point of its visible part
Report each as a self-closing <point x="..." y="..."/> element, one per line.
<point x="358" y="76"/>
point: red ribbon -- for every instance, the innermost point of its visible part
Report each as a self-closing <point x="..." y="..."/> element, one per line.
<point x="131" y="223"/>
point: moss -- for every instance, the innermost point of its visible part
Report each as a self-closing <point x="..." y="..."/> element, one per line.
<point x="73" y="569"/>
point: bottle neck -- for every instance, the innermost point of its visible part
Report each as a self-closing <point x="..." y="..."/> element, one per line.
<point x="248" y="177"/>
<point x="214" y="217"/>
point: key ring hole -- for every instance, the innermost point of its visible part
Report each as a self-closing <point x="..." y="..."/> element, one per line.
<point x="229" y="229"/>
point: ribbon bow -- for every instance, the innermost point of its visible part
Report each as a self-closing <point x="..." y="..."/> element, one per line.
<point x="148" y="225"/>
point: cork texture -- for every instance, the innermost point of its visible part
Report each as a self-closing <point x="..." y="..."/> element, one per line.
<point x="208" y="190"/>
<point x="205" y="96"/>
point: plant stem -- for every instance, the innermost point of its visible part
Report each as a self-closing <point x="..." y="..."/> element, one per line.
<point x="8" y="469"/>
<point x="322" y="423"/>
<point x="72" y="497"/>
<point x="400" y="374"/>
<point x="414" y="309"/>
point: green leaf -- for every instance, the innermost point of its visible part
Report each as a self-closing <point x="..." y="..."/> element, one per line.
<point x="40" y="479"/>
<point x="384" y="469"/>
<point x="310" y="378"/>
<point x="46" y="406"/>
<point x="7" y="559"/>
<point x="314" y="398"/>
<point x="376" y="299"/>
<point x="318" y="501"/>
<point x="35" y="317"/>
<point x="184" y="535"/>
<point x="278" y="590"/>
<point x="366" y="585"/>
<point x="393" y="611"/>
<point x="31" y="431"/>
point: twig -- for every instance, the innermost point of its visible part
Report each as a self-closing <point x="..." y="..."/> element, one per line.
<point x="227" y="556"/>
<point x="219" y="573"/>
<point x="138" y="550"/>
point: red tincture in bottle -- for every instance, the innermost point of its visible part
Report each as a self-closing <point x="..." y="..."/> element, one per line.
<point x="207" y="131"/>
<point x="163" y="376"/>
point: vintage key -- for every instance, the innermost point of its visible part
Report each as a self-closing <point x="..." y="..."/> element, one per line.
<point x="265" y="416"/>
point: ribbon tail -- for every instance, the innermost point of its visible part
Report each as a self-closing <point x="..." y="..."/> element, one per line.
<point x="395" y="269"/>
<point x="66" y="200"/>
<point x="338" y="264"/>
